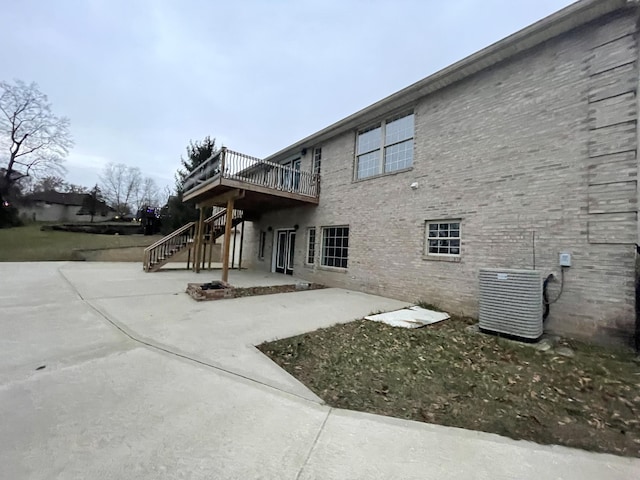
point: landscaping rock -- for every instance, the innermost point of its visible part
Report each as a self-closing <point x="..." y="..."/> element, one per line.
<point x="197" y="292"/>
<point x="220" y="290"/>
<point x="565" y="352"/>
<point x="544" y="345"/>
<point x="475" y="328"/>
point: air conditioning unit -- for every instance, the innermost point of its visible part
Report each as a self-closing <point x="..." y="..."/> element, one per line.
<point x="511" y="302"/>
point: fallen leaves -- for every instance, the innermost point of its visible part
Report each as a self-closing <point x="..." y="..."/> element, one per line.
<point x="445" y="374"/>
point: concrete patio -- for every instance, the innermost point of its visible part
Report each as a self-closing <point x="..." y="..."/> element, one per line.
<point x="140" y="381"/>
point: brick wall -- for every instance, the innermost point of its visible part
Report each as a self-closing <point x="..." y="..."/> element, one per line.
<point x="543" y="144"/>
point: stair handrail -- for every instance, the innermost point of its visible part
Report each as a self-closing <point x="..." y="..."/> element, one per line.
<point x="160" y="247"/>
<point x="170" y="236"/>
<point x="166" y="246"/>
<point x="222" y="213"/>
<point x="216" y="216"/>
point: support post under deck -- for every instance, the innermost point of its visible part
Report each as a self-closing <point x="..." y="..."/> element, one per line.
<point x="227" y="240"/>
<point x="199" y="241"/>
<point x="241" y="242"/>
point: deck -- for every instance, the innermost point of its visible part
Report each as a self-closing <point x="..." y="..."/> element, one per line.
<point x="256" y="185"/>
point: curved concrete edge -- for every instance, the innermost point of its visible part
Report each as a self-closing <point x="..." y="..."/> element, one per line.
<point x="144" y="414"/>
<point x="292" y="387"/>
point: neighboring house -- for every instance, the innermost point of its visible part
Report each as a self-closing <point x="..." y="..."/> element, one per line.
<point x="505" y="159"/>
<point x="54" y="206"/>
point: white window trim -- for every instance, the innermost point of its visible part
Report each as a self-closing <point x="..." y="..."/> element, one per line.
<point x="315" y="245"/>
<point x="322" y="257"/>
<point x="316" y="160"/>
<point x="383" y="126"/>
<point x="426" y="252"/>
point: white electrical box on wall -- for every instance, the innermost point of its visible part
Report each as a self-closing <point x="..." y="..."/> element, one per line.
<point x="565" y="259"/>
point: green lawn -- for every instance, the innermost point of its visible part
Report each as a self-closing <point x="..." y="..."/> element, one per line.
<point x="30" y="244"/>
<point x="448" y="375"/>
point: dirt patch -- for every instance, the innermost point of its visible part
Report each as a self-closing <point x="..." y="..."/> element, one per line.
<point x="197" y="292"/>
<point x="447" y="375"/>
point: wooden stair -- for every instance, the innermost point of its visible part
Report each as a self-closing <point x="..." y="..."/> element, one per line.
<point x="162" y="251"/>
<point x="214" y="225"/>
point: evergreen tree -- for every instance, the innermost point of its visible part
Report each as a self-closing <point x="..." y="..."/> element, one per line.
<point x="177" y="213"/>
<point x="197" y="154"/>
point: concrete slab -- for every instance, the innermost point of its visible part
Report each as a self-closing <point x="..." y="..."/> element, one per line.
<point x="145" y="415"/>
<point x="411" y="317"/>
<point x="33" y="283"/>
<point x="362" y="446"/>
<point x="103" y="279"/>
<point x="224" y="332"/>
<point x="52" y="334"/>
<point x="108" y="406"/>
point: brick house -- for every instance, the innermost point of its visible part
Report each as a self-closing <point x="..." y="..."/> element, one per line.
<point x="505" y="159"/>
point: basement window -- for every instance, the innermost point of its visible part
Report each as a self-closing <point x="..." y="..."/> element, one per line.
<point x="442" y="238"/>
<point x="335" y="246"/>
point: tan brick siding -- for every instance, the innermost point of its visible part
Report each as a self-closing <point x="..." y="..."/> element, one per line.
<point x="511" y="152"/>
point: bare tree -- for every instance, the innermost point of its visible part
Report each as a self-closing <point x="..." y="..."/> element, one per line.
<point x="73" y="188"/>
<point x="48" y="183"/>
<point x="120" y="186"/>
<point x="148" y="194"/>
<point x="33" y="139"/>
<point x="166" y="194"/>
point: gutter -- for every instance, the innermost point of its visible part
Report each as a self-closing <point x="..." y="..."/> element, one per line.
<point x="565" y="20"/>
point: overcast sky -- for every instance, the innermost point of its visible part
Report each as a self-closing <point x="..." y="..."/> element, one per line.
<point x="140" y="78"/>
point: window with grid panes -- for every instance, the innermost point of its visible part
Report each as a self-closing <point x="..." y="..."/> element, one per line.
<point x="386" y="147"/>
<point x="443" y="237"/>
<point x="311" y="246"/>
<point x="335" y="246"/>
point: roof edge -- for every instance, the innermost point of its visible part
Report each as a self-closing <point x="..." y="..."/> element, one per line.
<point x="558" y="23"/>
